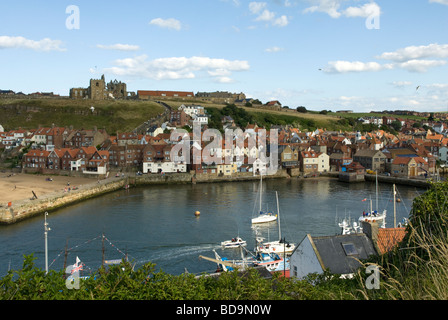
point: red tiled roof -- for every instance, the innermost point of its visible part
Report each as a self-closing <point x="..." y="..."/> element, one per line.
<point x="388" y="238"/>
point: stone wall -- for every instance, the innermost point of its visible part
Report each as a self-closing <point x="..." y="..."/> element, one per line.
<point x="29" y="208"/>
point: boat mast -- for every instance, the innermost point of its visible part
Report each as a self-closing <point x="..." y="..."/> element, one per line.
<point x="46" y="229"/>
<point x="376" y="182"/>
<point x="261" y="188"/>
<point x="102" y="249"/>
<point x="278" y="215"/>
<point x="395" y="215"/>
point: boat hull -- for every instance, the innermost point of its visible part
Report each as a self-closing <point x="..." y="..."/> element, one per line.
<point x="264" y="219"/>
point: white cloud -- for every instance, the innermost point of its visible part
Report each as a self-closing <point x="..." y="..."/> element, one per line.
<point x="329" y="7"/>
<point x="119" y="46"/>
<point x="401" y="84"/>
<point x="177" y="67"/>
<point x="263" y="14"/>
<point x="235" y="2"/>
<point x="333" y="9"/>
<point x="274" y="49"/>
<point x="281" y="22"/>
<point x="445" y="2"/>
<point x="224" y="80"/>
<point x="46" y="44"/>
<point x="421" y="65"/>
<point x="355" y="66"/>
<point x="266" y="15"/>
<point x="409" y="58"/>
<point x="417" y="52"/>
<point x="170" y="23"/>
<point x="439" y="86"/>
<point x="367" y="10"/>
<point x="256" y="7"/>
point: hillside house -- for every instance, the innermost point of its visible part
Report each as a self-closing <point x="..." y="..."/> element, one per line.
<point x="309" y="162"/>
<point x="289" y="157"/>
<point x="409" y="166"/>
<point x="371" y="159"/>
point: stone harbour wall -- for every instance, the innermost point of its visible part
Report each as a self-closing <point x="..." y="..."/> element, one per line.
<point x="29" y="208"/>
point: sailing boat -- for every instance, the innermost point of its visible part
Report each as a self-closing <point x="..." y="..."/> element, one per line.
<point x="369" y="216"/>
<point x="280" y="246"/>
<point x="264" y="216"/>
<point x="374" y="215"/>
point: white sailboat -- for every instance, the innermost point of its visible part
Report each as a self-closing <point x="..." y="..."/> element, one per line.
<point x="264" y="216"/>
<point x="374" y="215"/>
<point x="369" y="216"/>
<point x="280" y="246"/>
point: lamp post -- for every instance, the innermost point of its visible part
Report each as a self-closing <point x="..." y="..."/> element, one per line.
<point x="46" y="229"/>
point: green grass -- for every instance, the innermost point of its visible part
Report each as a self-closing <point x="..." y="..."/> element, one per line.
<point x="111" y="115"/>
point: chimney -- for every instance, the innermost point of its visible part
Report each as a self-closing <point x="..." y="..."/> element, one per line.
<point x="371" y="231"/>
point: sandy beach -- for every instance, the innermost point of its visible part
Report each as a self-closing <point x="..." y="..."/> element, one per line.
<point x="20" y="186"/>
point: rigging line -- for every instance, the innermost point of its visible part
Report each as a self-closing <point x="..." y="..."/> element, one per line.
<point x="117" y="248"/>
<point x="74" y="247"/>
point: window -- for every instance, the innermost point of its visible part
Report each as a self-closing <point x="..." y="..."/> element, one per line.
<point x="350" y="249"/>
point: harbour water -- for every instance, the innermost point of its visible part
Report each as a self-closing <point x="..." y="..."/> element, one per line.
<point x="158" y="224"/>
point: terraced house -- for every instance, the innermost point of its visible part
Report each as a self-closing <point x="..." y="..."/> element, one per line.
<point x="371" y="159"/>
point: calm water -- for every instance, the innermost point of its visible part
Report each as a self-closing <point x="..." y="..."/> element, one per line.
<point x="157" y="223"/>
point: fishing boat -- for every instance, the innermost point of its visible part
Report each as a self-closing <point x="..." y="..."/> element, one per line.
<point x="234" y="243"/>
<point x="271" y="261"/>
<point x="281" y="246"/>
<point x="224" y="264"/>
<point x="263" y="216"/>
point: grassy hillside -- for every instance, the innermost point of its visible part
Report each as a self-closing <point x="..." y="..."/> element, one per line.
<point x="266" y="118"/>
<point x="127" y="115"/>
<point x="111" y="115"/>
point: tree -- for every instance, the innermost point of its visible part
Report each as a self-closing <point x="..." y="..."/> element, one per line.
<point x="396" y="125"/>
<point x="301" y="109"/>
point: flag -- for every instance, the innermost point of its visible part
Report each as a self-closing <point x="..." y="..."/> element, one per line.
<point x="365" y="199"/>
<point x="77" y="267"/>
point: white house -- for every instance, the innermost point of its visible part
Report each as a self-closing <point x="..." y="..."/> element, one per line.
<point x="200" y="119"/>
<point x="259" y="167"/>
<point x="443" y="154"/>
<point x="323" y="162"/>
<point x="192" y="110"/>
<point x="163" y="167"/>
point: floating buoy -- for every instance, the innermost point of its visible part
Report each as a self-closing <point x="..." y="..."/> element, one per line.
<point x="197" y="213"/>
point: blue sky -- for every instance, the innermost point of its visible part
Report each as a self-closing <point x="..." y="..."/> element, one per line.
<point x="360" y="55"/>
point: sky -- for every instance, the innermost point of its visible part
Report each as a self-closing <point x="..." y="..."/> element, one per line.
<point x="358" y="55"/>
